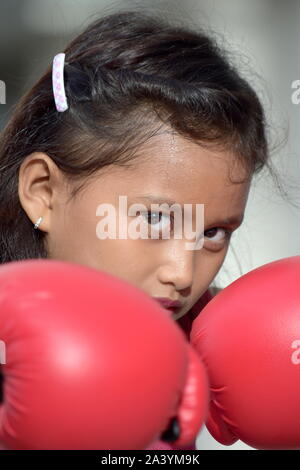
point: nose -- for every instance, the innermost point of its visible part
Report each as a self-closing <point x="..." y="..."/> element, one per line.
<point x="178" y="268"/>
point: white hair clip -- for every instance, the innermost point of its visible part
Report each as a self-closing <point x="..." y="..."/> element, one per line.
<point x="58" y="82"/>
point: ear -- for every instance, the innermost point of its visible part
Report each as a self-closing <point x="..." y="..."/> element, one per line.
<point x="39" y="181"/>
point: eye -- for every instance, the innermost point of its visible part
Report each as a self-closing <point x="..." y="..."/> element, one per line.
<point x="217" y="236"/>
<point x="158" y="220"/>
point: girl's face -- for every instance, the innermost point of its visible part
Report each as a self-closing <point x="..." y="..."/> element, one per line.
<point x="169" y="168"/>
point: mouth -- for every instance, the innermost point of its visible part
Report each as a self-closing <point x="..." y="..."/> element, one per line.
<point x="172" y="306"/>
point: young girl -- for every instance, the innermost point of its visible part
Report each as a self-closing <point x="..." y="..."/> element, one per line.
<point x="142" y="108"/>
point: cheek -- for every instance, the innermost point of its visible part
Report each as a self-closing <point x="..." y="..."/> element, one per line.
<point x="123" y="258"/>
<point x="208" y="266"/>
<point x="216" y="264"/>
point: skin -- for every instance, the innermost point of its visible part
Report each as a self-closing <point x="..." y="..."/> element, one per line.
<point x="168" y="166"/>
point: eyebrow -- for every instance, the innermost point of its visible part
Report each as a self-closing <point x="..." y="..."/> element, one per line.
<point x="232" y="220"/>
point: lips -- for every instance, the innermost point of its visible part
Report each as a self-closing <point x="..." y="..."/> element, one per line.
<point x="169" y="304"/>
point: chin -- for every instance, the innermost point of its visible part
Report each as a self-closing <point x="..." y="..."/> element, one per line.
<point x="177" y="316"/>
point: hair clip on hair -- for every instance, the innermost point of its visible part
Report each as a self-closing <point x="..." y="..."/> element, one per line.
<point x="58" y="82"/>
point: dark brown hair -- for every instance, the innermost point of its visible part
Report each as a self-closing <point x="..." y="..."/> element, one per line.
<point x="127" y="75"/>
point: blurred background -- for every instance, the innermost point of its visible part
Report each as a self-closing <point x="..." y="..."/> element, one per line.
<point x="263" y="37"/>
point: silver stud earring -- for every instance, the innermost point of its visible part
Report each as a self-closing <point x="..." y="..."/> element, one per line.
<point x="36" y="225"/>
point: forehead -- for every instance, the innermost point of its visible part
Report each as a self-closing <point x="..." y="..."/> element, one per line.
<point x="171" y="166"/>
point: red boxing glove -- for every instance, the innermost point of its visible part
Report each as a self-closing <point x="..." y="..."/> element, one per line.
<point x="249" y="338"/>
<point x="92" y="362"/>
<point x="193" y="407"/>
